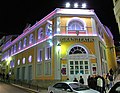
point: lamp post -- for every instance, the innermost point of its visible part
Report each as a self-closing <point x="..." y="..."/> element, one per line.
<point x="58" y="58"/>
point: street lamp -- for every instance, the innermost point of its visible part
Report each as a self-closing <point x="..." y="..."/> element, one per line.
<point x="84" y="5"/>
<point x="68" y="5"/>
<point x="58" y="47"/>
<point x="75" y="5"/>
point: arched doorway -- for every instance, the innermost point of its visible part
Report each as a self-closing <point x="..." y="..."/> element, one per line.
<point x="78" y="63"/>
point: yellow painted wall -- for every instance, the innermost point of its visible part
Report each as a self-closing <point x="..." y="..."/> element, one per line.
<point x="66" y="45"/>
<point x="110" y="51"/>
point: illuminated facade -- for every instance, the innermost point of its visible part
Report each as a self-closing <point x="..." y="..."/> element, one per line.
<point x="116" y="9"/>
<point x="64" y="44"/>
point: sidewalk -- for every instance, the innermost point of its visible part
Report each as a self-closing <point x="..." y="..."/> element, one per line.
<point x="24" y="88"/>
<point x="30" y="90"/>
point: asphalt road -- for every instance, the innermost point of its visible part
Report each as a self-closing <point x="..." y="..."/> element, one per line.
<point x="6" y="88"/>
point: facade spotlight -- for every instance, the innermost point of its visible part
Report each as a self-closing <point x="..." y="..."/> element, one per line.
<point x="67" y="5"/>
<point x="84" y="5"/>
<point x="75" y="5"/>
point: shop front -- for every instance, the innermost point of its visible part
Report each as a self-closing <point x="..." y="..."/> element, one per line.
<point x="78" y="58"/>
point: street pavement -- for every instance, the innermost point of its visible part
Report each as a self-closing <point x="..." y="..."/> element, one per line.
<point x="7" y="88"/>
<point x="13" y="88"/>
<point x="31" y="90"/>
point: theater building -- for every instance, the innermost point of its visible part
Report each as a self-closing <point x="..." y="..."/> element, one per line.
<point x="64" y="44"/>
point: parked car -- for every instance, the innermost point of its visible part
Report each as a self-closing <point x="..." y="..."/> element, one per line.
<point x="115" y="88"/>
<point x="70" y="87"/>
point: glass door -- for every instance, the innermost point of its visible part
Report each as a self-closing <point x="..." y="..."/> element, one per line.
<point x="79" y="68"/>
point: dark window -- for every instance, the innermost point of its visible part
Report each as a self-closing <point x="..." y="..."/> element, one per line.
<point x="77" y="50"/>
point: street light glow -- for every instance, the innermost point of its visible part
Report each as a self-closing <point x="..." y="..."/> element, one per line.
<point x="84" y="5"/>
<point x="75" y="5"/>
<point x="67" y="4"/>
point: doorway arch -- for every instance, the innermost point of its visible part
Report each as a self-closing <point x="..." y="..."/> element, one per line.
<point x="78" y="64"/>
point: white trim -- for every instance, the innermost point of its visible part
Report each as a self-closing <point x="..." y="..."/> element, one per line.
<point x="80" y="45"/>
<point x="81" y="56"/>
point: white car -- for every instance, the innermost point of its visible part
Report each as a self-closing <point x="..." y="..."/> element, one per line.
<point x="70" y="87"/>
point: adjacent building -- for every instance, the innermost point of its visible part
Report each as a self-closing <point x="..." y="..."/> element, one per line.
<point x="116" y="9"/>
<point x="64" y="44"/>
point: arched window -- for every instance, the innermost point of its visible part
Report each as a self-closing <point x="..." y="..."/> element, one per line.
<point x="18" y="62"/>
<point x="31" y="39"/>
<point x="48" y="29"/>
<point x="25" y="42"/>
<point x="15" y="48"/>
<point x="23" y="61"/>
<point x="40" y="33"/>
<point x="20" y="45"/>
<point x="12" y="64"/>
<point x="75" y="25"/>
<point x="77" y="50"/>
<point x="30" y="58"/>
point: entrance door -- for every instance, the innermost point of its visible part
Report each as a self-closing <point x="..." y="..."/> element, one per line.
<point x="79" y="68"/>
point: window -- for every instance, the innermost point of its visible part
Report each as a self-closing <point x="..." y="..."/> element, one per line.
<point x="100" y="32"/>
<point x="48" y="29"/>
<point x="25" y="42"/>
<point x="23" y="60"/>
<point x="12" y="64"/>
<point x="39" y="69"/>
<point x="104" y="53"/>
<point x="15" y="48"/>
<point x="11" y="50"/>
<point x="39" y="55"/>
<point x="9" y="53"/>
<point x="31" y="39"/>
<point x="20" y="44"/>
<point x="30" y="58"/>
<point x="77" y="67"/>
<point x="48" y="53"/>
<point x="47" y="68"/>
<point x="77" y="50"/>
<point x="18" y="62"/>
<point x="75" y="25"/>
<point x="101" y="52"/>
<point x="40" y="33"/>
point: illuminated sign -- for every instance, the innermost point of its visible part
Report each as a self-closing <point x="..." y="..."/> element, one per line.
<point x="68" y="39"/>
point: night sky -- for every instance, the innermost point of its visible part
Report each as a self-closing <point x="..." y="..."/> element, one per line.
<point x="14" y="15"/>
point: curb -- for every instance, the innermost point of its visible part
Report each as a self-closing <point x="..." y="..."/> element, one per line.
<point x="26" y="89"/>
